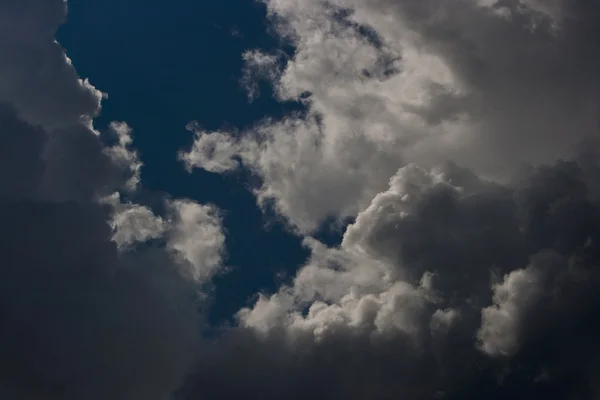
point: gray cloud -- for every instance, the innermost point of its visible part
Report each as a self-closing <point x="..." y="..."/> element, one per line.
<point x="81" y="321"/>
<point x="439" y="290"/>
<point x="96" y="299"/>
<point x="37" y="77"/>
<point x="21" y="164"/>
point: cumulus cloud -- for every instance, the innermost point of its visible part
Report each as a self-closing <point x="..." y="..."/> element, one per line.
<point x="96" y="300"/>
<point x="196" y="236"/>
<point x="446" y="286"/>
<point x="215" y="151"/>
<point x="451" y="134"/>
<point x="462" y="274"/>
<point x="81" y="321"/>
<point x="490" y="85"/>
<point x="37" y="76"/>
<point x="511" y="298"/>
<point x="133" y="223"/>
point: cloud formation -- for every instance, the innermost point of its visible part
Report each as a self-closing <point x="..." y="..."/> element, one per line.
<point x="96" y="299"/>
<point x="461" y="138"/>
<point x="490" y="85"/>
<point x="446" y="286"/>
<point x="463" y="274"/>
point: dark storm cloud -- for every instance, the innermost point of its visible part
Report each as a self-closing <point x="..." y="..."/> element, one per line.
<point x="79" y="166"/>
<point x="21" y="164"/>
<point x="80" y="317"/>
<point x="81" y="322"/>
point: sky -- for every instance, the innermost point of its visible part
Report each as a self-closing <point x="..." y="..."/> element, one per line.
<point x="283" y="199"/>
<point x="159" y="89"/>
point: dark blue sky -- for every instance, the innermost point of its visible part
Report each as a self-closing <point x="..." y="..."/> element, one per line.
<point x="164" y="65"/>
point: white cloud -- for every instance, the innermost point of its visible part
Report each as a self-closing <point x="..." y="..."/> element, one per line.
<point x="214" y="151"/>
<point x="133" y="223"/>
<point x="390" y="82"/>
<point x="196" y="235"/>
<point x="193" y="233"/>
<point x="358" y="286"/>
<point x="123" y="157"/>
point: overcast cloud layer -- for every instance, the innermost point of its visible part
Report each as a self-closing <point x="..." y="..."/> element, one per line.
<point x="460" y="137"/>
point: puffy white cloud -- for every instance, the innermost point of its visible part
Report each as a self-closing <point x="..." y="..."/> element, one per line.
<point x="196" y="235"/>
<point x="123" y="157"/>
<point x="490" y="85"/>
<point x="191" y="232"/>
<point x="214" y="151"/>
<point x="133" y="223"/>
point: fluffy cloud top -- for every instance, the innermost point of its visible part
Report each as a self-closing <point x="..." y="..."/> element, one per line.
<point x="488" y="84"/>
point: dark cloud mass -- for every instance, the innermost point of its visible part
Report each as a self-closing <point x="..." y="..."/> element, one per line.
<point x="461" y="139"/>
<point x="80" y="317"/>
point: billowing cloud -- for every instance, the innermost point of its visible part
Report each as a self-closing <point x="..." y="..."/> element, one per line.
<point x="451" y="133"/>
<point x="96" y="300"/>
<point x="37" y="76"/>
<point x="462" y="274"/>
<point x="446" y="286"/>
<point x="490" y="85"/>
<point x="79" y="319"/>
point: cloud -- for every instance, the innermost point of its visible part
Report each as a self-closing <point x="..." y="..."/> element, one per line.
<point x="461" y="276"/>
<point x="196" y="237"/>
<point x="96" y="299"/>
<point x="489" y="85"/>
<point x="82" y="321"/>
<point x="258" y="66"/>
<point x="21" y="164"/>
<point x="37" y="76"/>
<point x="500" y="322"/>
<point x="192" y="233"/>
<point x="446" y="286"/>
<point x="450" y="133"/>
<point x="215" y="151"/>
<point x="133" y="223"/>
